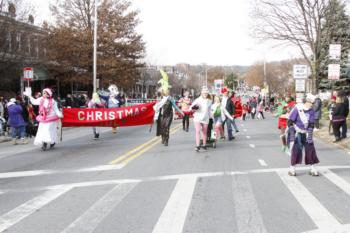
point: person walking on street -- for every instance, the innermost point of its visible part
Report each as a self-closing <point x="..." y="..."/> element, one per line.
<point x="48" y="118"/>
<point x="253" y="105"/>
<point x="339" y="117"/>
<point x="16" y="122"/>
<point x="201" y="116"/>
<point x="164" y="111"/>
<point x="229" y="113"/>
<point x="261" y="110"/>
<point x="96" y="102"/>
<point x="301" y="125"/>
<point x="318" y="112"/>
<point x="185" y="103"/>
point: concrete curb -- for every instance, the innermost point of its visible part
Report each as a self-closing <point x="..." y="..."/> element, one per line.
<point x="4" y="139"/>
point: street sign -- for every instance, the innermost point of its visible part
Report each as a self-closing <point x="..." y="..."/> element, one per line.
<point x="335" y="51"/>
<point x="300" y="71"/>
<point x="300" y="85"/>
<point x="28" y="74"/>
<point x="333" y="71"/>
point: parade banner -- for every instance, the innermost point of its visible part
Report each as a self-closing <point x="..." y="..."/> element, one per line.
<point x="141" y="114"/>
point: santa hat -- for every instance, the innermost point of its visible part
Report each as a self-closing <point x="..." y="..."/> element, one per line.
<point x="334" y="97"/>
<point x="48" y="91"/>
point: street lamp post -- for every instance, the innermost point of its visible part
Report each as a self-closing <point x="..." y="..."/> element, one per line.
<point x="95" y="48"/>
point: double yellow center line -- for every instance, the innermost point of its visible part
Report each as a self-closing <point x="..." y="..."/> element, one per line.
<point x="139" y="150"/>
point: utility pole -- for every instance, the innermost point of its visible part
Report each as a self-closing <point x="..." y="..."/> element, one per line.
<point x="95" y="49"/>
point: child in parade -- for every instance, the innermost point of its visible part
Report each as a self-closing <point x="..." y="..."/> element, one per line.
<point x="48" y="118"/>
<point x="245" y="111"/>
<point x="218" y="114"/>
<point x="301" y="123"/>
<point x="185" y="103"/>
<point x="201" y="116"/>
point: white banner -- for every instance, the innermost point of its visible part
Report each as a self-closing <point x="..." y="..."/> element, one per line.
<point x="333" y="71"/>
<point x="300" y="72"/>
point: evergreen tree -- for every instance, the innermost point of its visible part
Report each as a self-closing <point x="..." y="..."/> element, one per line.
<point x="335" y="30"/>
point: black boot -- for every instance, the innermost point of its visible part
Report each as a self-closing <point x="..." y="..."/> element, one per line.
<point x="44" y="146"/>
<point x="52" y="145"/>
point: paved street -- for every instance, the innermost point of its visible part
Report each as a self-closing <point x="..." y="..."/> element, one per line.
<point x="129" y="182"/>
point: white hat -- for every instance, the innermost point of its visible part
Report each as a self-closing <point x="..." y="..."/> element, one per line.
<point x="310" y="98"/>
<point x="48" y="91"/>
<point x="12" y="101"/>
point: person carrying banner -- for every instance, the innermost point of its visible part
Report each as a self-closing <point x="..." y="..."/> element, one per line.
<point x="164" y="110"/>
<point x="96" y="102"/>
<point x="48" y="118"/>
<point x="113" y="100"/>
<point x="301" y="123"/>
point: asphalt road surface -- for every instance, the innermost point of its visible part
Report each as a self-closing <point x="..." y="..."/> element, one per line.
<point x="129" y="182"/>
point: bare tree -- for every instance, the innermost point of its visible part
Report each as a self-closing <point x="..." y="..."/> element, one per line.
<point x="293" y="22"/>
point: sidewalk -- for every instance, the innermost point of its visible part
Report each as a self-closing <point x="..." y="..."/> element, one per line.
<point x="324" y="136"/>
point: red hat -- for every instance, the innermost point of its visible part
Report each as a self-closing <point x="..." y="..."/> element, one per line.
<point x="224" y="90"/>
<point x="334" y="97"/>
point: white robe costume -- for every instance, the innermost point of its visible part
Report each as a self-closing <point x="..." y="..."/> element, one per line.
<point x="47" y="131"/>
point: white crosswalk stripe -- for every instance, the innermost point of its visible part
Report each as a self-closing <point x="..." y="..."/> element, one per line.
<point x="173" y="216"/>
<point x="14" y="216"/>
<point x="337" y="180"/>
<point x="94" y="216"/>
<point x="248" y="216"/>
<point x="316" y="211"/>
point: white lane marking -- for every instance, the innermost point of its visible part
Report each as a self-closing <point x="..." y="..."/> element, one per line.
<point x="252" y="145"/>
<point x="248" y="216"/>
<point x="174" y="214"/>
<point x="337" y="180"/>
<point x="98" y="212"/>
<point x="248" y="137"/>
<point x="14" y="216"/>
<point x="50" y="172"/>
<point x="170" y="177"/>
<point x="316" y="211"/>
<point x="341" y="229"/>
<point x="245" y="130"/>
<point x="262" y="162"/>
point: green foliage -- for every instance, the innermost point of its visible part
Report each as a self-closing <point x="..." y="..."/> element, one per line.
<point x="231" y="81"/>
<point x="335" y="30"/>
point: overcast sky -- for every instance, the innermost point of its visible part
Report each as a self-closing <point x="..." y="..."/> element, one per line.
<point x="215" y="32"/>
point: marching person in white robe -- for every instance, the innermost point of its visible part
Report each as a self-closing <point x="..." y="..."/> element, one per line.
<point x="48" y="118"/>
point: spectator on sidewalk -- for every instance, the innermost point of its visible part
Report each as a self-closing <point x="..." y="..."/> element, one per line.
<point x="16" y="122"/>
<point x="318" y="112"/>
<point x="330" y="108"/>
<point x="339" y="117"/>
<point x="344" y="127"/>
